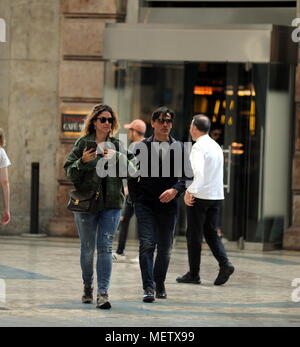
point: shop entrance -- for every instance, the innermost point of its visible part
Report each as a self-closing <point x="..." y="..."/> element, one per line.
<point x="226" y="93"/>
<point x="250" y="109"/>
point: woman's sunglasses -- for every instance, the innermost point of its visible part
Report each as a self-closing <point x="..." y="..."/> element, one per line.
<point x="104" y="120"/>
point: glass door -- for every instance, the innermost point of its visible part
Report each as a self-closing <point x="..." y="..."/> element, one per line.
<point x="226" y="93"/>
<point x="241" y="145"/>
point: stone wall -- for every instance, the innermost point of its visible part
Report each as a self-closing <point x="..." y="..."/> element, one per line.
<point x="29" y="68"/>
<point x="51" y="64"/>
<point x="81" y="82"/>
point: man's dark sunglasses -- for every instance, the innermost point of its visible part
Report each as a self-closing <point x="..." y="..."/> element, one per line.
<point x="163" y="121"/>
<point x="104" y="120"/>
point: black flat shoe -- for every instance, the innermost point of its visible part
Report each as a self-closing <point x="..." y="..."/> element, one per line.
<point x="161" y="291"/>
<point x="187" y="278"/>
<point x="224" y="274"/>
<point x="161" y="295"/>
<point x="149" y="295"/>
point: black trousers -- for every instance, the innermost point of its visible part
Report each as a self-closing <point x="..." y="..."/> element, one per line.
<point x="202" y="220"/>
<point x="127" y="213"/>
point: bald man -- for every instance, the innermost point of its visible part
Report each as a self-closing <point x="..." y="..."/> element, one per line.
<point x="203" y="199"/>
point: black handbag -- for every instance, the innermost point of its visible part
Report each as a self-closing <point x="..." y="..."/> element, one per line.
<point x="83" y="202"/>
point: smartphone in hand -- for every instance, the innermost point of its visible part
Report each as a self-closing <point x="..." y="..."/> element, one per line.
<point x="92" y="145"/>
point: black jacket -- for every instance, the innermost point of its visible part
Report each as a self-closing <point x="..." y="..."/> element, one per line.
<point x="153" y="180"/>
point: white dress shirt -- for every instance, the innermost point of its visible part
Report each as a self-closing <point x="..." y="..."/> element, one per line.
<point x="4" y="161"/>
<point x="207" y="162"/>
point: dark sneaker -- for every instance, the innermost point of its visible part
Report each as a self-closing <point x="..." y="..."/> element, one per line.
<point x="149" y="295"/>
<point x="102" y="302"/>
<point x="87" y="297"/>
<point x="225" y="272"/>
<point x="188" y="278"/>
<point x="161" y="291"/>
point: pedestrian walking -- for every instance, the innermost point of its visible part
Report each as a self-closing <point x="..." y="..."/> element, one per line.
<point x="155" y="203"/>
<point x="97" y="228"/>
<point x="203" y="199"/>
<point x="136" y="132"/>
<point x="216" y="133"/>
<point x="4" y="180"/>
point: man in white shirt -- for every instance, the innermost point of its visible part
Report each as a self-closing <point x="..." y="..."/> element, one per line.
<point x="204" y="198"/>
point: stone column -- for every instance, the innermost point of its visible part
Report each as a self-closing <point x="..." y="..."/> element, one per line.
<point x="291" y="238"/>
<point x="81" y="84"/>
<point x="29" y="62"/>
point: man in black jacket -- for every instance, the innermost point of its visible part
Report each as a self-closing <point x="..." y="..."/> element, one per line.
<point x="154" y="195"/>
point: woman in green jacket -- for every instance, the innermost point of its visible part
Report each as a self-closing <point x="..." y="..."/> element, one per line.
<point x="99" y="228"/>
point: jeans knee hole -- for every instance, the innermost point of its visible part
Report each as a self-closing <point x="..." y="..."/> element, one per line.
<point x="109" y="236"/>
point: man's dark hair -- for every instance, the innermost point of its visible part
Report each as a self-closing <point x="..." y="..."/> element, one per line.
<point x="165" y="111"/>
<point x="202" y="123"/>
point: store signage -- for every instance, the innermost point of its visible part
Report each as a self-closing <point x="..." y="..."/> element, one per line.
<point x="72" y="123"/>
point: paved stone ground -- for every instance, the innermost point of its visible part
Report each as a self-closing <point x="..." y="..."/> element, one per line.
<point x="43" y="287"/>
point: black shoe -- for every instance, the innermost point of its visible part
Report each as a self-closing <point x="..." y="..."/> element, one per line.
<point x="161" y="291"/>
<point x="87" y="297"/>
<point x="225" y="272"/>
<point x="188" y="278"/>
<point x="102" y="302"/>
<point x="149" y="295"/>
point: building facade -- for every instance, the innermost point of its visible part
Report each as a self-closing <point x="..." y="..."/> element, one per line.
<point x="81" y="84"/>
<point x="234" y="61"/>
<point x="29" y="70"/>
<point x="51" y="74"/>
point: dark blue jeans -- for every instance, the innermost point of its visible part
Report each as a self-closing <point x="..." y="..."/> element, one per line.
<point x="156" y="231"/>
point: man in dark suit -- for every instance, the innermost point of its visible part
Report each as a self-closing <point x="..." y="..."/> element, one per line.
<point x="154" y="195"/>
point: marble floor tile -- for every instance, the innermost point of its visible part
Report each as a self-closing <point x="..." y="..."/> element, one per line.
<point x="40" y="285"/>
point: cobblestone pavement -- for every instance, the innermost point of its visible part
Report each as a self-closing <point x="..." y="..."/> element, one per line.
<point x="40" y="285"/>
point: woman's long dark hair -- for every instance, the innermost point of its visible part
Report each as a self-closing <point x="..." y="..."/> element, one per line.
<point x="89" y="127"/>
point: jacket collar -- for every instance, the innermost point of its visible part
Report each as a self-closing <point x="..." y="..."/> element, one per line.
<point x="92" y="137"/>
<point x="151" y="139"/>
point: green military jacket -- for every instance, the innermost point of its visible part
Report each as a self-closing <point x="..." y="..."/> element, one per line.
<point x="85" y="177"/>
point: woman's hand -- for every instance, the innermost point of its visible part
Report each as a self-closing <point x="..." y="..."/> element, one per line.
<point x="88" y="155"/>
<point x="5" y="218"/>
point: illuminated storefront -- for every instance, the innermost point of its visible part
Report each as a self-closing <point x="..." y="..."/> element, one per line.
<point x="238" y="76"/>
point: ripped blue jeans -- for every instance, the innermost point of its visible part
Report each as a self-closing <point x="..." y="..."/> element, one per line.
<point x="97" y="229"/>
